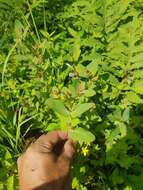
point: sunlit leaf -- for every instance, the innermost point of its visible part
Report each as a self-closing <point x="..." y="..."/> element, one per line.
<point x="10" y="183"/>
<point x="134" y="98"/>
<point x="57" y="106"/>
<point x="81" y="135"/>
<point x="81" y="108"/>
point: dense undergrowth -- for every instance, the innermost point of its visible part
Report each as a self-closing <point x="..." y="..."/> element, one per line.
<point x="76" y="65"/>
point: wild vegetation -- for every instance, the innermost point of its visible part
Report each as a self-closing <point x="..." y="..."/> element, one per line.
<point x="74" y="65"/>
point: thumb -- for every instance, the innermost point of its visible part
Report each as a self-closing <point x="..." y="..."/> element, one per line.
<point x="69" y="149"/>
<point x="47" y="143"/>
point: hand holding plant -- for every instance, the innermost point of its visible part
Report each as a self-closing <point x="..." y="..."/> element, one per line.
<point x="46" y="163"/>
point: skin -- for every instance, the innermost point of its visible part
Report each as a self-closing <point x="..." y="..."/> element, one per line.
<point x="46" y="163"/>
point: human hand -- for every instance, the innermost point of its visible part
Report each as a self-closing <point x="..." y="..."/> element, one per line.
<point x="46" y="163"/>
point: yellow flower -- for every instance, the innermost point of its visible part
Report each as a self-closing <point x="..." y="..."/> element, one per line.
<point x="85" y="150"/>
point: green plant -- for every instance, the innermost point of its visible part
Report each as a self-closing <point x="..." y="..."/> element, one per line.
<point x="74" y="65"/>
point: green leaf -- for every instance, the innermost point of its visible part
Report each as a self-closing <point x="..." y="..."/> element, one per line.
<point x="81" y="70"/>
<point x="137" y="58"/>
<point x="76" y="47"/>
<point x="10" y="183"/>
<point x="73" y="33"/>
<point x="76" y="50"/>
<point x="18" y="25"/>
<point x="136" y="66"/>
<point x="134" y="98"/>
<point x="64" y="122"/>
<point x="89" y="93"/>
<point x="81" y="108"/>
<point x="1" y="186"/>
<point x="45" y="34"/>
<point x="8" y="155"/>
<point x="81" y="135"/>
<point x="138" y="87"/>
<point x="111" y="137"/>
<point x="52" y="127"/>
<point x="128" y="188"/>
<point x="126" y="115"/>
<point x="57" y="106"/>
<point x="138" y="73"/>
<point x="74" y="87"/>
<point x="93" y="67"/>
<point x="122" y="128"/>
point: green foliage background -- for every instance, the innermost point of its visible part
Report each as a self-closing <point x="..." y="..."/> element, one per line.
<point x="86" y="57"/>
